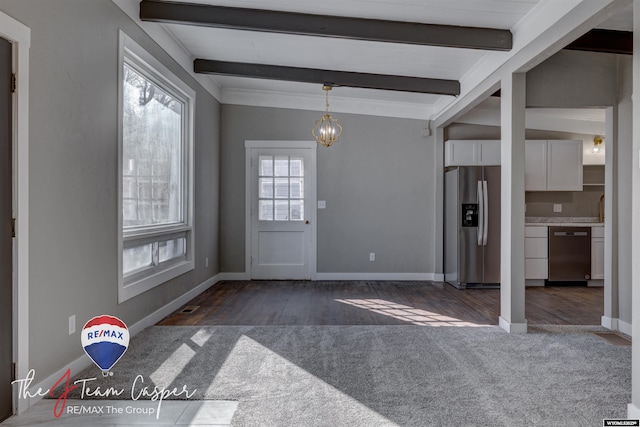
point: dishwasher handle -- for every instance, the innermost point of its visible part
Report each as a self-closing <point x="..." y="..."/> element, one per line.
<point x="570" y="233"/>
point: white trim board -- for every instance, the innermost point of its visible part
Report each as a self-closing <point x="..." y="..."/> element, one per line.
<point x="20" y="36"/>
<point x="82" y="362"/>
<point x="513" y="328"/>
<point x="378" y="276"/>
<point x="616" y="324"/>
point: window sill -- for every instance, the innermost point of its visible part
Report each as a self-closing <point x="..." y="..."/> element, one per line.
<point x="127" y="291"/>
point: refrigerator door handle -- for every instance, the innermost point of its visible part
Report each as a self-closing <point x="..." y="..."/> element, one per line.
<point x="485" y="202"/>
<point x="481" y="213"/>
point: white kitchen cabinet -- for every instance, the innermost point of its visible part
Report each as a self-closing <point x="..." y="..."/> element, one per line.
<point x="597" y="253"/>
<point x="536" y="254"/>
<point x="535" y="166"/>
<point x="564" y="165"/>
<point x="472" y="152"/>
<point x="554" y="165"/>
<point x="488" y="152"/>
<point x="461" y="153"/>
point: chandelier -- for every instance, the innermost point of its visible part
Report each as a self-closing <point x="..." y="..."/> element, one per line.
<point x="327" y="129"/>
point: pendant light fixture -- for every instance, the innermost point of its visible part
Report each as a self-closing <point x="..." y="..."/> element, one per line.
<point x="327" y="129"/>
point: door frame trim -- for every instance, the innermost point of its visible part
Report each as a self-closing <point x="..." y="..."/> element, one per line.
<point x="257" y="144"/>
<point x="20" y="35"/>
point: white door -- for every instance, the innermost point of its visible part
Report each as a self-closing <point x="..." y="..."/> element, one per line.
<point x="282" y="213"/>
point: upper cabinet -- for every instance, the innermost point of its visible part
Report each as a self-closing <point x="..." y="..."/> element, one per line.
<point x="564" y="165"/>
<point x="472" y="152"/>
<point x="535" y="166"/>
<point x="554" y="165"/>
<point x="550" y="165"/>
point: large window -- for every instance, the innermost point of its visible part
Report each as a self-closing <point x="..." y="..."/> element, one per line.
<point x="155" y="218"/>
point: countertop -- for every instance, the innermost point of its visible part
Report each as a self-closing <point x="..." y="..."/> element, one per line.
<point x="569" y="221"/>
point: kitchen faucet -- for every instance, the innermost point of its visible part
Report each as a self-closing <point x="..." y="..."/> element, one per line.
<point x="602" y="208"/>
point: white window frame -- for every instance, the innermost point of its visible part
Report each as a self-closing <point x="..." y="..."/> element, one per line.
<point x="132" y="54"/>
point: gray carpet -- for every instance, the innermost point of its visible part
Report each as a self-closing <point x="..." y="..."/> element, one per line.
<point x="386" y="375"/>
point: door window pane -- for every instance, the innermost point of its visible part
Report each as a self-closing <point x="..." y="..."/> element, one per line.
<point x="296" y="166"/>
<point x="297" y="210"/>
<point x="282" y="188"/>
<point x="296" y="188"/>
<point x="282" y="210"/>
<point x="266" y="166"/>
<point x="266" y="188"/>
<point x="265" y="210"/>
<point x="282" y="166"/>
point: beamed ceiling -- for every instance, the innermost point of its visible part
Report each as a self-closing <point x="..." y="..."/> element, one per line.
<point x="425" y="59"/>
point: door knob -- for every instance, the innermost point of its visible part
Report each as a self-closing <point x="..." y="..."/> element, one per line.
<point x="306" y="222"/>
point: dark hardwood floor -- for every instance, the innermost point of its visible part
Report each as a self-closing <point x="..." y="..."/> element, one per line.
<point x="380" y="303"/>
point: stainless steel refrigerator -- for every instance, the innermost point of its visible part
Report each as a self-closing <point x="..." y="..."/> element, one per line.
<point x="472" y="226"/>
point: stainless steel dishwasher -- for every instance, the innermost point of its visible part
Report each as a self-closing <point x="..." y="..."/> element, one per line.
<point x="569" y="254"/>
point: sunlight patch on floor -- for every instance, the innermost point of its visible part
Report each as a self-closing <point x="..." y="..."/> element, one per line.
<point x="275" y="379"/>
<point x="166" y="374"/>
<point x="415" y="316"/>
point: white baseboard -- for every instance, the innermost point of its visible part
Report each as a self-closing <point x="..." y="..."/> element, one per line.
<point x="616" y="324"/>
<point x="83" y="361"/>
<point x="376" y="276"/>
<point x="625" y="327"/>
<point x="166" y="310"/>
<point x="609" y="323"/>
<point x="513" y="328"/>
<point x="234" y="276"/>
<point x="633" y="412"/>
<point x="352" y="276"/>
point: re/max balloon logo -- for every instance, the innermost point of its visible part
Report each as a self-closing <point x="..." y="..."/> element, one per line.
<point x="105" y="340"/>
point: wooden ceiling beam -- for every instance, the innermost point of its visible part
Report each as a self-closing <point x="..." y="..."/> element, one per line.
<point x="335" y="78"/>
<point x="605" y="41"/>
<point x="326" y="26"/>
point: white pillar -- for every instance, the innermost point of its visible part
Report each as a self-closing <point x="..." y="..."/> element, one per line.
<point x="512" y="120"/>
<point x="633" y="410"/>
<point x="438" y="238"/>
<point x="611" y="306"/>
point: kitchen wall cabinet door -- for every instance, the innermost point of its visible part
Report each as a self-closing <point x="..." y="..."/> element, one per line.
<point x="564" y="165"/>
<point x="460" y="153"/>
<point x="489" y="152"/>
<point x="535" y="166"/>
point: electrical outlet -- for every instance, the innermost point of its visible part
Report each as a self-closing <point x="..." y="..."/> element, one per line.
<point x="72" y="324"/>
<point x="372" y="256"/>
<point x="206" y="262"/>
<point x="322" y="204"/>
<point x="557" y="207"/>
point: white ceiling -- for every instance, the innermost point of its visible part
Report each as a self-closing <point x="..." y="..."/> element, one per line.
<point x="522" y="17"/>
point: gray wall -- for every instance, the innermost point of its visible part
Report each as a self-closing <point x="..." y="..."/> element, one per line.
<point x="574" y="79"/>
<point x="377" y="182"/>
<point x="72" y="173"/>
